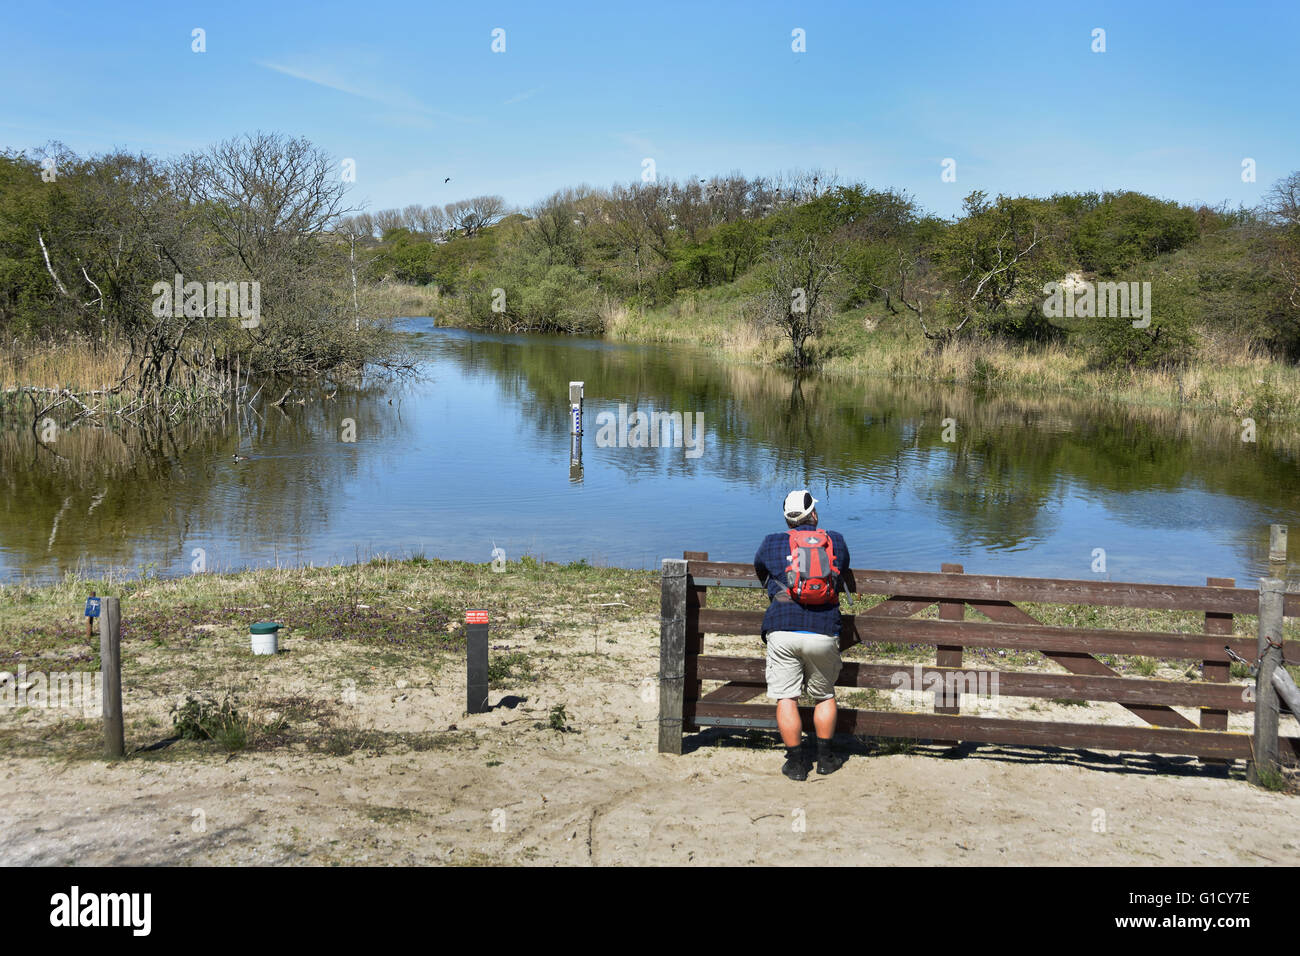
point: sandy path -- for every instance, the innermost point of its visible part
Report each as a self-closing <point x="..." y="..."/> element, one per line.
<point x="500" y="789"/>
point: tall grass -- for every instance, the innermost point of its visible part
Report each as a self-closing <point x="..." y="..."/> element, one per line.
<point x="1226" y="374"/>
<point x="74" y="364"/>
<point x="1222" y="376"/>
<point x="388" y="300"/>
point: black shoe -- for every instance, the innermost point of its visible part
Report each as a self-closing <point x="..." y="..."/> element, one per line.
<point x="796" y="767"/>
<point x="829" y="764"/>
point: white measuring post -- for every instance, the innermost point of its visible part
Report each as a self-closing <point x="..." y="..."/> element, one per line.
<point x="575" y="430"/>
<point x="575" y="407"/>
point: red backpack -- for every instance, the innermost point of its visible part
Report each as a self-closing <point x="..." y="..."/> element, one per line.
<point x="811" y="572"/>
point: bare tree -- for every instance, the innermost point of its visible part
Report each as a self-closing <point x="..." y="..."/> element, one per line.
<point x="797" y="276"/>
<point x="1282" y="202"/>
<point x="628" y="225"/>
<point x="362" y="223"/>
<point x="471" y="216"/>
<point x="944" y="308"/>
<point x="728" y="198"/>
<point x="1282" y="208"/>
<point x="264" y="193"/>
<point x="557" y="224"/>
<point x="430" y="220"/>
<point x="356" y="229"/>
<point x="386" y="220"/>
<point x="268" y="200"/>
<point x="413" y="218"/>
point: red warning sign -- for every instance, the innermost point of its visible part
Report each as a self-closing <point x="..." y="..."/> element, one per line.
<point x="476" y="617"/>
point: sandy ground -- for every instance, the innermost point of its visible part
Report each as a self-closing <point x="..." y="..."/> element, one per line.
<point x="504" y="787"/>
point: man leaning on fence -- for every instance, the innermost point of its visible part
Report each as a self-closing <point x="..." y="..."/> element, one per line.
<point x="800" y="568"/>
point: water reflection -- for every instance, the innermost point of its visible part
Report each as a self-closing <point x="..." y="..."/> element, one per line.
<point x="477" y="453"/>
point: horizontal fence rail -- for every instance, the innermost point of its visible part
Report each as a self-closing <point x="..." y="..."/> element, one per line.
<point x="1119" y="690"/>
<point x="688" y="620"/>
<point x="1038" y="637"/>
<point x="997" y="587"/>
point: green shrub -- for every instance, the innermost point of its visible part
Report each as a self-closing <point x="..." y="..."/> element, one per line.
<point x="509" y="667"/>
<point x="1127" y="228"/>
<point x="203" y="718"/>
<point x="1168" y="341"/>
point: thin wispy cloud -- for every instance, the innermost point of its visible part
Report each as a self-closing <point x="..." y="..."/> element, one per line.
<point x="320" y="79"/>
<point x="392" y="97"/>
<point x="520" y="97"/>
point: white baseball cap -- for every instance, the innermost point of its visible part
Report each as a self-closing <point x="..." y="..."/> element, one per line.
<point x="799" y="504"/>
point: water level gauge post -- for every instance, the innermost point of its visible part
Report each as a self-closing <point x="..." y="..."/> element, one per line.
<point x="575" y="407"/>
<point x="575" y="431"/>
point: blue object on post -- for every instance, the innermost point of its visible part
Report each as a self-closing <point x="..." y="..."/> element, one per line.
<point x="92" y="607"/>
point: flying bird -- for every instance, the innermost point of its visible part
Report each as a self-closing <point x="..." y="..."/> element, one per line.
<point x="447" y="180"/>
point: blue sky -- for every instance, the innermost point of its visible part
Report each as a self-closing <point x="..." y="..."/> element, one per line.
<point x="585" y="91"/>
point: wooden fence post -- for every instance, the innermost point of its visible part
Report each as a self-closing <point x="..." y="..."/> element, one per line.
<point x="1216" y="672"/>
<point x="1269" y="644"/>
<point x="110" y="671"/>
<point x="672" y="655"/>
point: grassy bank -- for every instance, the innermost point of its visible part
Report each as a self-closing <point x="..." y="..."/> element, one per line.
<point x="383" y="601"/>
<point x="1224" y="375"/>
<point x="413" y="609"/>
<point x="368" y="627"/>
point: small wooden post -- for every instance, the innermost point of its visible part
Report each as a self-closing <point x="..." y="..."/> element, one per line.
<point x="110" y="674"/>
<point x="476" y="662"/>
<point x="1265" y="748"/>
<point x="672" y="655"/>
<point x="1277" y="543"/>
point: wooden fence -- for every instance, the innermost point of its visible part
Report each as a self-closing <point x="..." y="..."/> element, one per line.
<point x="686" y="618"/>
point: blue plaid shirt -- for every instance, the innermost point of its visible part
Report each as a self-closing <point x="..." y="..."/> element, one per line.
<point x="770" y="564"/>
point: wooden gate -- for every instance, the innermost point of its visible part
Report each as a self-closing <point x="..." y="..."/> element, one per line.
<point x="686" y="618"/>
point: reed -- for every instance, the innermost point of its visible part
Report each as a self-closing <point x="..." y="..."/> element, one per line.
<point x="1225" y="374"/>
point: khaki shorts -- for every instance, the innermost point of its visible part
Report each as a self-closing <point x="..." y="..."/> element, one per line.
<point x="796" y="659"/>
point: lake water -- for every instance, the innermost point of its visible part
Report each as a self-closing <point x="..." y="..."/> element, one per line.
<point x="475" y="455"/>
